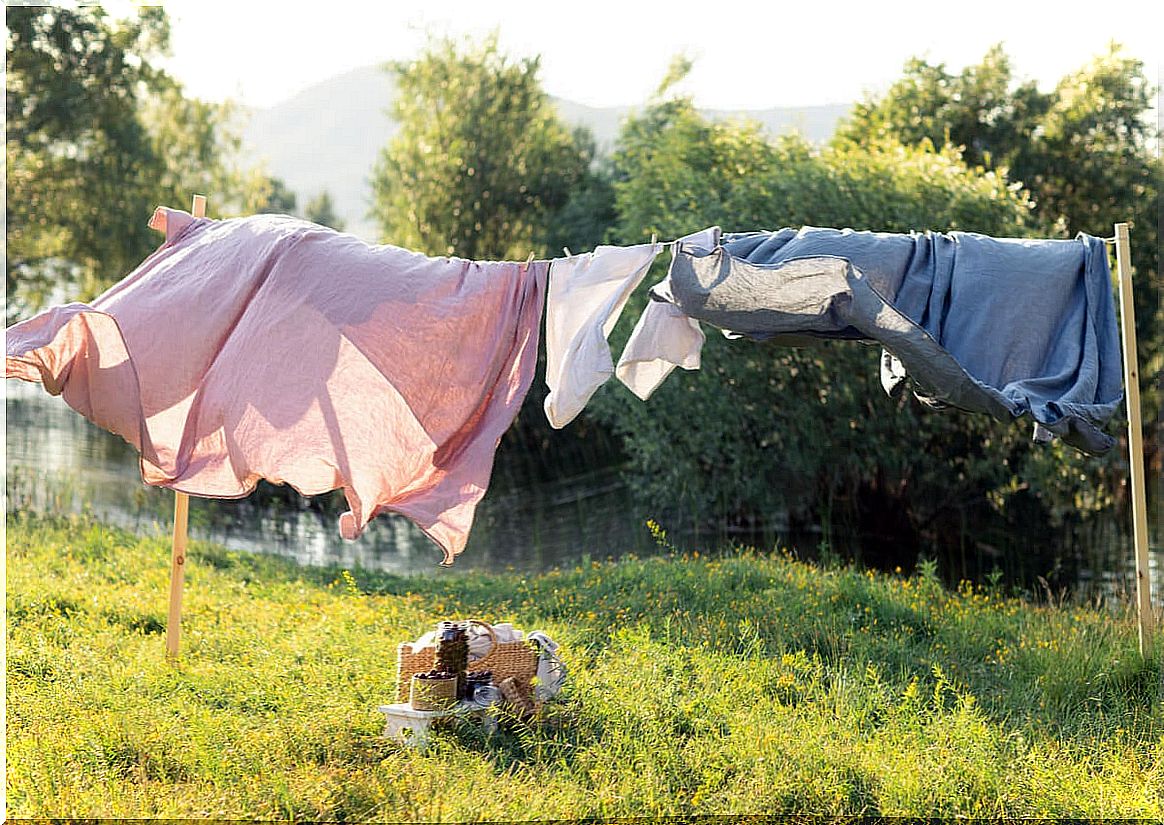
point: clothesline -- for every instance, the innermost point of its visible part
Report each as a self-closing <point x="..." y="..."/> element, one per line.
<point x="440" y="352"/>
<point x="407" y="373"/>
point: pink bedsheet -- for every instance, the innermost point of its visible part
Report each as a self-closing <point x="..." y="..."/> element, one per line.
<point x="269" y="347"/>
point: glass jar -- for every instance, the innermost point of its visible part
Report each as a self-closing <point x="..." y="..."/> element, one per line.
<point x="452" y="651"/>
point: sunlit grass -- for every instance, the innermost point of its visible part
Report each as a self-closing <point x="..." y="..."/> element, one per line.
<point x="732" y="683"/>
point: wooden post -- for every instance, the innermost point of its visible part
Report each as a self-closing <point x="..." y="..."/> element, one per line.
<point x="1135" y="441"/>
<point x="177" y="572"/>
<point x="181" y="523"/>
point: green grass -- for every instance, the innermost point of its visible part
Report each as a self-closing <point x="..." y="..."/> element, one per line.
<point x="737" y="683"/>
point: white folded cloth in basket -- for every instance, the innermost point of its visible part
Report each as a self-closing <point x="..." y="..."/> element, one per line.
<point x="480" y="643"/>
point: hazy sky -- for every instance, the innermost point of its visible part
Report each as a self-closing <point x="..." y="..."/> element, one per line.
<point x="604" y="53"/>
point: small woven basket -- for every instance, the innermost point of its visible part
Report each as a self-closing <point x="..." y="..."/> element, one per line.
<point x="520" y="699"/>
<point x="432" y="694"/>
<point x="504" y="659"/>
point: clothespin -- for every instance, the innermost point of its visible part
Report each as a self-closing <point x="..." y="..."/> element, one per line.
<point x="569" y="254"/>
<point x="528" y="261"/>
<point x="653" y="238"/>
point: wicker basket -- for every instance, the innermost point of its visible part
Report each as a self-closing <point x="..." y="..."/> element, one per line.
<point x="505" y="659"/>
<point x="520" y="700"/>
<point x="432" y="694"/>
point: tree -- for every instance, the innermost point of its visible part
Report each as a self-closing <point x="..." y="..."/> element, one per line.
<point x="483" y="168"/>
<point x="1089" y="155"/>
<point x="977" y="110"/>
<point x="587" y="215"/>
<point x="321" y="210"/>
<point x="809" y="432"/>
<point x="74" y="146"/>
<point x="481" y="164"/>
<point x="1086" y="151"/>
<point x="278" y="199"/>
<point x="97" y="137"/>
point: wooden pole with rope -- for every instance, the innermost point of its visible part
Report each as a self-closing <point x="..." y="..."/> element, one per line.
<point x="181" y="524"/>
<point x="1135" y="442"/>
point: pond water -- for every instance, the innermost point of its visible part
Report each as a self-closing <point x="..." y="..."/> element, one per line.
<point x="56" y="461"/>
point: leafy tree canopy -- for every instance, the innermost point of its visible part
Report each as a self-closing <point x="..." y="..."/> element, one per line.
<point x="481" y="164"/>
<point x="277" y="199"/>
<point x="1087" y="151"/>
<point x="321" y="210"/>
<point x="763" y="430"/>
<point x="97" y="136"/>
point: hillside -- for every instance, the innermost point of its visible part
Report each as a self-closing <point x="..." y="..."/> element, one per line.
<point x="329" y="135"/>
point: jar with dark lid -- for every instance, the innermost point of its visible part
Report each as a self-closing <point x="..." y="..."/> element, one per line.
<point x="452" y="651"/>
<point x="476" y="679"/>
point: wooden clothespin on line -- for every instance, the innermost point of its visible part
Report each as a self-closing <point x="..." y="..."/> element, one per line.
<point x="528" y="261"/>
<point x="672" y="244"/>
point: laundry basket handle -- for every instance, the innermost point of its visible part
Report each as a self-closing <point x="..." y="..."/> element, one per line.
<point x="488" y="630"/>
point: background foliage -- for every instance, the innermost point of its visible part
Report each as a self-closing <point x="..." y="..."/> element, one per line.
<point x="1086" y="151"/>
<point x="481" y="164"/>
<point x="763" y="433"/>
<point x="97" y="136"/>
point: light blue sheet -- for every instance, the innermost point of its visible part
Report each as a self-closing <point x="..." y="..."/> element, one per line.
<point x="1003" y="326"/>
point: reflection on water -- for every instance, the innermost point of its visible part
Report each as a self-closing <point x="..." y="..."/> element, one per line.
<point x="59" y="462"/>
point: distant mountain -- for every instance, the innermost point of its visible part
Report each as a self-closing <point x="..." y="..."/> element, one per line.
<point x="816" y="123"/>
<point x="329" y="135"/>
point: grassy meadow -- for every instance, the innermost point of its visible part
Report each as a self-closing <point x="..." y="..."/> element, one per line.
<point x="735" y="682"/>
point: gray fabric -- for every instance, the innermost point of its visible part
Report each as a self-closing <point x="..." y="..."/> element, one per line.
<point x="1001" y="326"/>
<point x="1041" y="434"/>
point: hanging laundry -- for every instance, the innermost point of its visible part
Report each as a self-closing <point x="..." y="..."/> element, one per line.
<point x="1001" y="326"/>
<point x="272" y="348"/>
<point x="586" y="295"/>
<point x="663" y="338"/>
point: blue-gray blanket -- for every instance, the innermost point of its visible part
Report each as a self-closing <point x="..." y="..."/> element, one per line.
<point x="1002" y="326"/>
